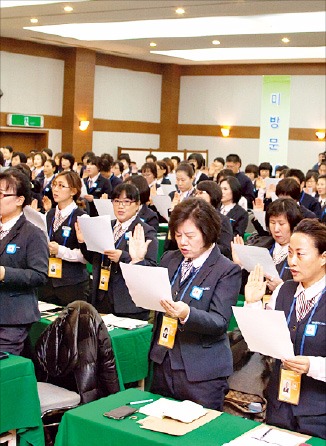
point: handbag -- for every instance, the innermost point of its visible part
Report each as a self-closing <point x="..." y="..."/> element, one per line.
<point x="246" y="405"/>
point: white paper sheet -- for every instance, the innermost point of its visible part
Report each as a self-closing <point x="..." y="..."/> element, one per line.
<point x="37" y="219"/>
<point x="269" y="181"/>
<point x="265" y="435"/>
<point x="123" y="322"/>
<point x="250" y="256"/>
<point x="163" y="204"/>
<point x="265" y="331"/>
<point x="185" y="411"/>
<point x="167" y="188"/>
<point x="260" y="216"/>
<point x="97" y="233"/>
<point x="104" y="207"/>
<point x="147" y="285"/>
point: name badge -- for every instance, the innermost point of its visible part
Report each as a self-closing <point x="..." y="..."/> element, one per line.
<point x="94" y="185"/>
<point x="196" y="293"/>
<point x="11" y="248"/>
<point x="66" y="231"/>
<point x="127" y="235"/>
<point x="311" y="330"/>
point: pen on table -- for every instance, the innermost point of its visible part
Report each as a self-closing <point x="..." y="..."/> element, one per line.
<point x="264" y="435"/>
<point x="140" y="402"/>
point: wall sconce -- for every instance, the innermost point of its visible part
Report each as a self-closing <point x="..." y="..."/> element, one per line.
<point x="320" y="134"/>
<point x="83" y="125"/>
<point x="225" y="131"/>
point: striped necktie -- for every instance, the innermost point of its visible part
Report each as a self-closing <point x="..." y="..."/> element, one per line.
<point x="59" y="219"/>
<point x="117" y="233"/>
<point x="186" y="268"/>
<point x="303" y="306"/>
<point x="3" y="233"/>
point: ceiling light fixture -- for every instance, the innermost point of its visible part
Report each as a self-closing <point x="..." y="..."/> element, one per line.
<point x="68" y="8"/>
<point x="216" y="42"/>
<point x="153" y="44"/>
<point x="225" y="132"/>
<point x="180" y="11"/>
<point x="285" y="40"/>
<point x="34" y="20"/>
<point x="320" y="134"/>
<point x="83" y="125"/>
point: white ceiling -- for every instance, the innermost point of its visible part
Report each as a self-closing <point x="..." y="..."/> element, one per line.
<point x="14" y="19"/>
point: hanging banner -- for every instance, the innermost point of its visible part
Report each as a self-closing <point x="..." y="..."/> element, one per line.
<point x="274" y="120"/>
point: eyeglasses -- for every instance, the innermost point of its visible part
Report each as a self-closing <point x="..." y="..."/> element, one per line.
<point x="124" y="203"/>
<point x="201" y="192"/>
<point x="2" y="195"/>
<point x="59" y="186"/>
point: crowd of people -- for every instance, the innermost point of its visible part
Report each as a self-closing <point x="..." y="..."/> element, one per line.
<point x="213" y="208"/>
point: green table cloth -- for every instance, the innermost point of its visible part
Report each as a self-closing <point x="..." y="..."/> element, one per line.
<point x="19" y="401"/>
<point x="131" y="348"/>
<point x="86" y="425"/>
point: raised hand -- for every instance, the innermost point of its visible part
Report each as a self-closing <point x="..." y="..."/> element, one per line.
<point x="137" y="244"/>
<point x="256" y="287"/>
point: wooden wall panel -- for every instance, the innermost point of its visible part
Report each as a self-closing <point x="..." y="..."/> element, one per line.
<point x="105" y="125"/>
<point x="32" y="48"/>
<point x="24" y="140"/>
<point x="215" y="130"/>
<point x="126" y="63"/>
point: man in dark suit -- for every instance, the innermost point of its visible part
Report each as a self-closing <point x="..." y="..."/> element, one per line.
<point x="204" y="286"/>
<point x="96" y="184"/>
<point x="233" y="162"/>
<point x="305" y="200"/>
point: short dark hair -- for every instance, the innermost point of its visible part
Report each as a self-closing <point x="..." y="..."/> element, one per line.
<point x="233" y="158"/>
<point x="199" y="158"/>
<point x="164" y="166"/>
<point x="142" y="185"/>
<point x="252" y="168"/>
<point x="224" y="173"/>
<point x="9" y="148"/>
<point x="186" y="168"/>
<point x="96" y="161"/>
<point x="287" y="207"/>
<point x="297" y="173"/>
<point x="288" y="187"/>
<point x="315" y="230"/>
<point x="150" y="155"/>
<point x="50" y="160"/>
<point x="22" y="156"/>
<point x="70" y="157"/>
<point x="213" y="189"/>
<point x="235" y="187"/>
<point x="169" y="163"/>
<point x="124" y="156"/>
<point x="266" y="166"/>
<point x="87" y="155"/>
<point x="19" y="183"/>
<point x="105" y="165"/>
<point x="119" y="163"/>
<point x="177" y="158"/>
<point x="220" y="160"/>
<point x="311" y="174"/>
<point x="108" y="158"/>
<point x="43" y="157"/>
<point x="1" y="159"/>
<point x="73" y="180"/>
<point x="48" y="152"/>
<point x="281" y="168"/>
<point x="151" y="167"/>
<point x="132" y="193"/>
<point x="202" y="214"/>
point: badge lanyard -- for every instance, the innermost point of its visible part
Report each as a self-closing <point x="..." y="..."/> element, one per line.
<point x="285" y="265"/>
<point x="303" y="194"/>
<point x="309" y="320"/>
<point x="188" y="284"/>
<point x="69" y="223"/>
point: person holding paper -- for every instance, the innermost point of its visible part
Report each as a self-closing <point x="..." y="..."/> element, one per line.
<point x="68" y="278"/>
<point x="23" y="262"/>
<point x="109" y="292"/>
<point x="303" y="301"/>
<point x="95" y="183"/>
<point x="195" y="362"/>
<point x="231" y="194"/>
<point x="185" y="176"/>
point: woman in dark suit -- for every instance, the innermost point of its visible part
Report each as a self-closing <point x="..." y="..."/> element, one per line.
<point x="204" y="286"/>
<point x="24" y="262"/>
<point x="95" y="183"/>
<point x="231" y="194"/>
<point x="116" y="298"/>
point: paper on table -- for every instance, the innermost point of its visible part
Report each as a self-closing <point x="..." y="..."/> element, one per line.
<point x="97" y="233"/>
<point x="185" y="411"/>
<point x="123" y="322"/>
<point x="260" y="216"/>
<point x="44" y="306"/>
<point x="147" y="293"/>
<point x="104" y="207"/>
<point x="266" y="435"/>
<point x="265" y="331"/>
<point x="163" y="204"/>
<point x="251" y="255"/>
<point x="37" y="219"/>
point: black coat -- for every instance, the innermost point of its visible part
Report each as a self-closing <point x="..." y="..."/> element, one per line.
<point x="239" y="220"/>
<point x="101" y="186"/>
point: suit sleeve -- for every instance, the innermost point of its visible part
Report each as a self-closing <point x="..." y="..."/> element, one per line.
<point x="240" y="225"/>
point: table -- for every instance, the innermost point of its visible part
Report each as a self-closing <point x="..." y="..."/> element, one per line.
<point x="19" y="401"/>
<point x="86" y="425"/>
<point x="130" y="347"/>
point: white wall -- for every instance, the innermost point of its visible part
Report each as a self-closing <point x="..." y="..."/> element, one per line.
<point x="236" y="100"/>
<point x="127" y="95"/>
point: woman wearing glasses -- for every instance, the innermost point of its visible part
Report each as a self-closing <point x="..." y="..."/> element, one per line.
<point x="23" y="259"/>
<point x="68" y="278"/>
<point x="110" y="293"/>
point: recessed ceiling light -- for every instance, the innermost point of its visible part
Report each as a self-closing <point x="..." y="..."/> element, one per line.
<point x="285" y="40"/>
<point x="34" y="20"/>
<point x="216" y="42"/>
<point x="68" y="8"/>
<point x="153" y="44"/>
<point x="180" y="11"/>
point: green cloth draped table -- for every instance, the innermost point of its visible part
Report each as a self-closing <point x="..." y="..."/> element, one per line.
<point x="19" y="401"/>
<point x="86" y="425"/>
<point x="131" y="348"/>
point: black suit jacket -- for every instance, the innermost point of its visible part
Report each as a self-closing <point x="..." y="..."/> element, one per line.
<point x="310" y="203"/>
<point x="149" y="216"/>
<point x="239" y="220"/>
<point x="101" y="186"/>
<point x="118" y="293"/>
<point x="247" y="188"/>
<point x="24" y="254"/>
<point x="201" y="345"/>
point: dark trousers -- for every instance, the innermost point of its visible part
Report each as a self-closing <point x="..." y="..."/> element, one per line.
<point x="314" y="425"/>
<point x="174" y="383"/>
<point x="64" y="295"/>
<point x="12" y="338"/>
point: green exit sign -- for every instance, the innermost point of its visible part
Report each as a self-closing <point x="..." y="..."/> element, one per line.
<point x="25" y="120"/>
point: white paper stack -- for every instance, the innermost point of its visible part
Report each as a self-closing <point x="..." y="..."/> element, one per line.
<point x="123" y="322"/>
<point x="184" y="411"/>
